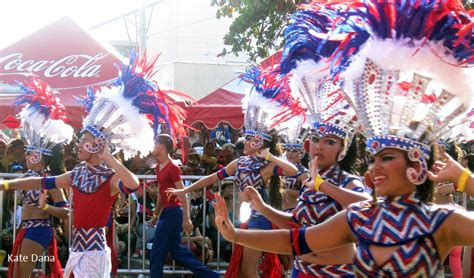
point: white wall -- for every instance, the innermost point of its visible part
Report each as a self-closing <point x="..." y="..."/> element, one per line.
<point x="188" y="37"/>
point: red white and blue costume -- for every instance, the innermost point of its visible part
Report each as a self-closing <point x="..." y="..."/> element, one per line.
<point x="402" y="221"/>
<point x="125" y="116"/>
<point x="402" y="67"/>
<point x="314" y="207"/>
<point x="92" y="204"/>
<point x="44" y="126"/>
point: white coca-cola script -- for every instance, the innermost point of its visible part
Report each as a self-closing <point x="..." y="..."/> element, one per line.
<point x="83" y="66"/>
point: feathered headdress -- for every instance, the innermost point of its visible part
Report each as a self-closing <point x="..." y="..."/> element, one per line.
<point x="305" y="63"/>
<point x="269" y="103"/>
<point x="44" y="120"/>
<point x="403" y="64"/>
<point x="128" y="114"/>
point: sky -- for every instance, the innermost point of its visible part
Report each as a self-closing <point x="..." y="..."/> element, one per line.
<point x="19" y="18"/>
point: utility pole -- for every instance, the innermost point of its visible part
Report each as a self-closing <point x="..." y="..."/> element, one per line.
<point x="142" y="28"/>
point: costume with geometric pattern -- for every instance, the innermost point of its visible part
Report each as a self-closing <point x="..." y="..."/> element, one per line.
<point x="315" y="207"/>
<point x="405" y="222"/>
<point x="92" y="204"/>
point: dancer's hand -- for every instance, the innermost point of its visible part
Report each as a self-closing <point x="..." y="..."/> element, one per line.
<point x="449" y="170"/>
<point x="105" y="154"/>
<point x="175" y="192"/>
<point x="153" y="221"/>
<point x="314" y="172"/>
<point x="265" y="154"/>
<point x="222" y="219"/>
<point x="254" y="198"/>
<point x="42" y="198"/>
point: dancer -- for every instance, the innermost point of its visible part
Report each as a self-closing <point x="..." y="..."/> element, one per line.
<point x="401" y="235"/>
<point x="44" y="129"/>
<point x="259" y="168"/>
<point x="174" y="216"/>
<point x="117" y="120"/>
<point x="335" y="156"/>
<point x="294" y="152"/>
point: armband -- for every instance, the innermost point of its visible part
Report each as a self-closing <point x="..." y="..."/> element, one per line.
<point x="298" y="242"/>
<point x="277" y="171"/>
<point x="126" y="190"/>
<point x="317" y="182"/>
<point x="48" y="183"/>
<point x="461" y="185"/>
<point x="222" y="174"/>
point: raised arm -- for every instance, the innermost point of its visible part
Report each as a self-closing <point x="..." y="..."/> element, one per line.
<point x="330" y="234"/>
<point x="229" y="170"/>
<point x="288" y="168"/>
<point x="451" y="170"/>
<point x="344" y="196"/>
<point x="122" y="174"/>
<point x="456" y="230"/>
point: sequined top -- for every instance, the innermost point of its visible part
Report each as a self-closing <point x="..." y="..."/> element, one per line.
<point x="315" y="207"/>
<point x="31" y="197"/>
<point x="292" y="182"/>
<point x="248" y="173"/>
<point x="404" y="222"/>
<point x="88" y="179"/>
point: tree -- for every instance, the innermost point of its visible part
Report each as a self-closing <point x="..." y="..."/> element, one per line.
<point x="259" y="25"/>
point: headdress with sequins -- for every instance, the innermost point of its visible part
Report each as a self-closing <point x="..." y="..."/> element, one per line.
<point x="43" y="120"/>
<point x="304" y="61"/>
<point x="127" y="116"/>
<point x="269" y="104"/>
<point x="404" y="65"/>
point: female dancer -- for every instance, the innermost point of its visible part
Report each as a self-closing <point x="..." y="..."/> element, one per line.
<point x="259" y="168"/>
<point x="45" y="131"/>
<point x="402" y="234"/>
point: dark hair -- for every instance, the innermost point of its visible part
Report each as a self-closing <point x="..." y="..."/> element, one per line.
<point x="351" y="162"/>
<point x="17" y="143"/>
<point x="275" y="181"/>
<point x="167" y="140"/>
<point x="55" y="163"/>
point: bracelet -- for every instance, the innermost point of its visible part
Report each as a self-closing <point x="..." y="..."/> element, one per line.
<point x="45" y="207"/>
<point x="317" y="182"/>
<point x="5" y="185"/>
<point x="267" y="157"/>
<point x="463" y="180"/>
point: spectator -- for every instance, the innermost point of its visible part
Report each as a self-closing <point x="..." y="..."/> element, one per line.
<point x="14" y="155"/>
<point x="192" y="163"/>
<point x="208" y="159"/>
<point x="239" y="149"/>
<point x="224" y="157"/>
<point x="227" y="192"/>
<point x="137" y="216"/>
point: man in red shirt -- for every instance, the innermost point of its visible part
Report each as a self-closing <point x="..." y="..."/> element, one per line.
<point x="174" y="217"/>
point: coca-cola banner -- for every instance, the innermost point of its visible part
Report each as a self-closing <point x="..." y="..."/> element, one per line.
<point x="64" y="55"/>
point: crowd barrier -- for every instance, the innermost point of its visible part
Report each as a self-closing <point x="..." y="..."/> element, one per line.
<point x="219" y="264"/>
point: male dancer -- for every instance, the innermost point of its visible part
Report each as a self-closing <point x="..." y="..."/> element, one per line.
<point x="174" y="217"/>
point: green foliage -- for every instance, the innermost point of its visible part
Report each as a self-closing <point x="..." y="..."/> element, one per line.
<point x="259" y="24"/>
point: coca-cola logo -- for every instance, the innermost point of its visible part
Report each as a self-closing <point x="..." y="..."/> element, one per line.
<point x="80" y="65"/>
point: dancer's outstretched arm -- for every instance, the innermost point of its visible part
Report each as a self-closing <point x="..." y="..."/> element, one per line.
<point x="37" y="183"/>
<point x="330" y="234"/>
<point x="229" y="170"/>
<point x="280" y="218"/>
